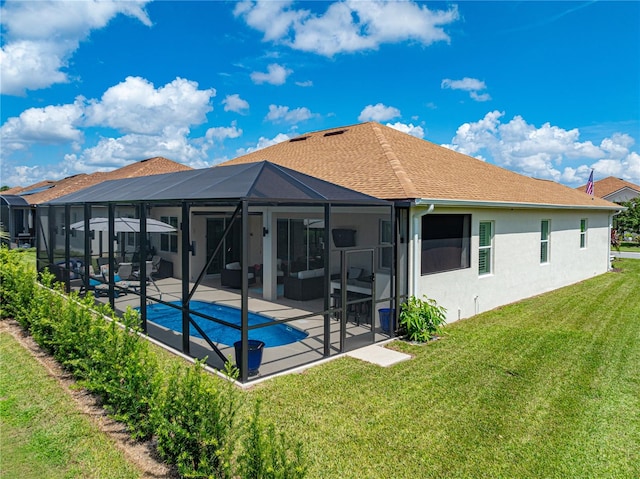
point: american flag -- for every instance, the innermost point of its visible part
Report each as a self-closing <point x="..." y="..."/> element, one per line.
<point x="589" y="189"/>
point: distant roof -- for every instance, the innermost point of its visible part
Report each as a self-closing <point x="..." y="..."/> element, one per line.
<point x="385" y="163"/>
<point x="258" y="181"/>
<point x="16" y="190"/>
<point x="609" y="185"/>
<point x="46" y="191"/>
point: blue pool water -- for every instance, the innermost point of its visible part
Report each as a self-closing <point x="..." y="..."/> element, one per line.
<point x="275" y="335"/>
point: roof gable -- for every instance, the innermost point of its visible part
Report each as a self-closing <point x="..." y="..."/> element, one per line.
<point x="610" y="185"/>
<point x="385" y="163"/>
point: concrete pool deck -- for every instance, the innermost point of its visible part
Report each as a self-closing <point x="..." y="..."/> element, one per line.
<point x="276" y="360"/>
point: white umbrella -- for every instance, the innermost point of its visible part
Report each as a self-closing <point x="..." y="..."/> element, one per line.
<point x="124" y="225"/>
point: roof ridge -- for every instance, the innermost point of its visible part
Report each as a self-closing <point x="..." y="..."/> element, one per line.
<point x="395" y="163"/>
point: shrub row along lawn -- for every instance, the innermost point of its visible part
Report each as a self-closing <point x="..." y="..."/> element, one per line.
<point x="199" y="422"/>
<point x="43" y="434"/>
<point x="547" y="387"/>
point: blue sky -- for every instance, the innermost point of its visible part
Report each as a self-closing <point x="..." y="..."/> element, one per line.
<point x="547" y="89"/>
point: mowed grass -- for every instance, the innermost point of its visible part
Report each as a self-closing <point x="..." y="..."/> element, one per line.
<point x="545" y="388"/>
<point x="628" y="247"/>
<point x="43" y="435"/>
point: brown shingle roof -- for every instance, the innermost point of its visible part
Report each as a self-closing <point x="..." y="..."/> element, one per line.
<point x="71" y="184"/>
<point x="609" y="185"/>
<point x="383" y="162"/>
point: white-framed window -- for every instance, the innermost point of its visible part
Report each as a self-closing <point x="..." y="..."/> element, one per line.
<point x="485" y="248"/>
<point x="169" y="241"/>
<point x="583" y="233"/>
<point x="545" y="236"/>
<point x="386" y="238"/>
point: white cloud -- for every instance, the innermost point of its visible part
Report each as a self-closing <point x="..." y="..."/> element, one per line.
<point x="305" y="84"/>
<point x="378" y="112"/>
<point x="416" y="131"/>
<point x="40" y="37"/>
<point x="117" y="152"/>
<point x="347" y="26"/>
<point x="136" y="106"/>
<point x="275" y="75"/>
<point x="48" y="125"/>
<point x="467" y="84"/>
<point x="544" y="151"/>
<point x="263" y="143"/>
<point x="27" y="175"/>
<point x="235" y="103"/>
<point x="480" y="96"/>
<point x="155" y="122"/>
<point x="283" y="113"/>
<point x="221" y="133"/>
<point x="472" y="85"/>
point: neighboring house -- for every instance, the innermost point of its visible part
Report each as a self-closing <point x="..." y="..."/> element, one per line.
<point x="18" y="203"/>
<point x="614" y="189"/>
<point x="472" y="235"/>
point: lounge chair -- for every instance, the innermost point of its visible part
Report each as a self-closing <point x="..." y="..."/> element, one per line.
<point x="125" y="272"/>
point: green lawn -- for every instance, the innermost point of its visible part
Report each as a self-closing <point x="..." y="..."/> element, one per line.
<point x="548" y="387"/>
<point x="43" y="435"/>
<point x="545" y="388"/>
<point x="629" y="247"/>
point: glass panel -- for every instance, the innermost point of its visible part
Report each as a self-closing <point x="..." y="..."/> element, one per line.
<point x="544" y="229"/>
<point x="544" y="252"/>
<point x="231" y="251"/>
<point x="301" y="244"/>
<point x="485" y="234"/>
<point x="484" y="261"/>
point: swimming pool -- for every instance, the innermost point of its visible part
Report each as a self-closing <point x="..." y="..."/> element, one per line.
<point x="276" y="335"/>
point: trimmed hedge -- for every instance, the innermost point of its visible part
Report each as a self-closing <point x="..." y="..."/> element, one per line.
<point x="195" y="418"/>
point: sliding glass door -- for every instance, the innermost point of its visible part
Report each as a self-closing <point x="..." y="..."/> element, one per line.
<point x="230" y="251"/>
<point x="301" y="244"/>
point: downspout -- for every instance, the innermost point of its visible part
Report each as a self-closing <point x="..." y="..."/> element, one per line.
<point x="415" y="261"/>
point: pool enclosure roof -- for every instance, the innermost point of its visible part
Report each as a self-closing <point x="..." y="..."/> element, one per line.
<point x="14" y="200"/>
<point x="262" y="181"/>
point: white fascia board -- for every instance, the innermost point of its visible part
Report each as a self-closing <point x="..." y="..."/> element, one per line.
<point x="500" y="204"/>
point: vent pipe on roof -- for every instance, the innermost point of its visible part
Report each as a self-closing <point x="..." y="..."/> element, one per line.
<point x="333" y="133"/>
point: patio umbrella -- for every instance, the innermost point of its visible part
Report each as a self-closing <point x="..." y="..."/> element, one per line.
<point x="124" y="225"/>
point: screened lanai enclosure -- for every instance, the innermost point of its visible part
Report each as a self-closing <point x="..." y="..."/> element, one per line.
<point x="225" y="261"/>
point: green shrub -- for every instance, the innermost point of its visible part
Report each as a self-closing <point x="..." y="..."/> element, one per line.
<point x="267" y="454"/>
<point x="122" y="371"/>
<point x="421" y="319"/>
<point x="196" y="423"/>
<point x="17" y="285"/>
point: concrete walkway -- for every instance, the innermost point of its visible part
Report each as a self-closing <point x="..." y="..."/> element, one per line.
<point x="378" y="354"/>
<point x="624" y="254"/>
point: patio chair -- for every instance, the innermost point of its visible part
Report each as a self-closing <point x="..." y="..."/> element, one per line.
<point x="125" y="271"/>
<point x="100" y="284"/>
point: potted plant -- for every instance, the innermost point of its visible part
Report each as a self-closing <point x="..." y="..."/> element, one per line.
<point x="421" y="320"/>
